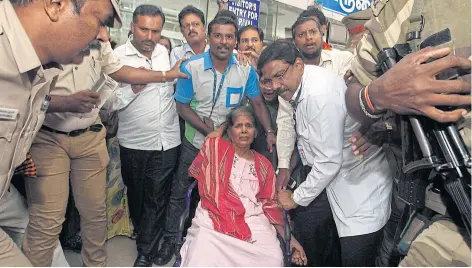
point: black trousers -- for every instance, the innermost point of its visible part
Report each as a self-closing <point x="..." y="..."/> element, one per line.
<point x="361" y="250"/>
<point x="180" y="185"/>
<point x="148" y="176"/>
<point x="315" y="229"/>
<point x="388" y="255"/>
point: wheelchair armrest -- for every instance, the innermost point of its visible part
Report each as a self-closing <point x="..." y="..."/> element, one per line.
<point x="183" y="219"/>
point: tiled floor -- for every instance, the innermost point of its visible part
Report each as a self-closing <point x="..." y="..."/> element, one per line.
<point x="121" y="252"/>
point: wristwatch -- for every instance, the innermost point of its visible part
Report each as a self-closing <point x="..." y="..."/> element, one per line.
<point x="270" y="131"/>
<point x="164" y="76"/>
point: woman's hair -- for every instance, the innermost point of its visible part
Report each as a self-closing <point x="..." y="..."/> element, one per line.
<point x="168" y="40"/>
<point x="231" y="117"/>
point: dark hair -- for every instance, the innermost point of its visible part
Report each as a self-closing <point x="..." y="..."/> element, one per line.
<point x="313" y="11"/>
<point x="251" y="27"/>
<point x="148" y="10"/>
<point x="300" y="21"/>
<point x="191" y="10"/>
<point x="231" y="116"/>
<point x="113" y="44"/>
<point x="227" y="13"/>
<point x="222" y="20"/>
<point x="78" y="4"/>
<point x="279" y="50"/>
<point x="168" y="40"/>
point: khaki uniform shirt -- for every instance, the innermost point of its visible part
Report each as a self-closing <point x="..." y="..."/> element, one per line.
<point x="24" y="84"/>
<point x="387" y="28"/>
<point x="389" y="25"/>
<point x="336" y="61"/>
<point x="80" y="77"/>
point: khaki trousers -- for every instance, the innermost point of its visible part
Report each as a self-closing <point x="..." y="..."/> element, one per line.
<point x="13" y="222"/>
<point x="440" y="245"/>
<point x="10" y="254"/>
<point x="58" y="157"/>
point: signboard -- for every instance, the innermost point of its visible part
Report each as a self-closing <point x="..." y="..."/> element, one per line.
<point x="247" y="11"/>
<point x="345" y="7"/>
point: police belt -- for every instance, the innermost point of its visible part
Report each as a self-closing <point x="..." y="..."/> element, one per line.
<point x="75" y="133"/>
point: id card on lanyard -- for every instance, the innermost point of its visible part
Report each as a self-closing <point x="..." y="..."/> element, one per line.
<point x="216" y="94"/>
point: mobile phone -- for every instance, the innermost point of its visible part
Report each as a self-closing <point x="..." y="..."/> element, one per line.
<point x="100" y="83"/>
<point x="292" y="184"/>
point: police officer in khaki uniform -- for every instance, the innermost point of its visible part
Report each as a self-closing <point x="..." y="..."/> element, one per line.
<point x="355" y="26"/>
<point x="410" y="87"/>
<point x="71" y="146"/>
<point x="33" y="34"/>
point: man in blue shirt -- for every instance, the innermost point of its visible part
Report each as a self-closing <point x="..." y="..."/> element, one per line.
<point x="217" y="83"/>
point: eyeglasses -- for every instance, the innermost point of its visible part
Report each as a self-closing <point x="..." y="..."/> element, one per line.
<point x="194" y="24"/>
<point x="269" y="83"/>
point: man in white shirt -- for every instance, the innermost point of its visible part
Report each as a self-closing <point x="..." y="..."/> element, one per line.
<point x="307" y="33"/>
<point x="358" y="189"/>
<point x="192" y="27"/>
<point x="148" y="131"/>
<point x="316" y="230"/>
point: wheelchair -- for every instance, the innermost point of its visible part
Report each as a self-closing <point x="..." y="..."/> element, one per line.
<point x="180" y="239"/>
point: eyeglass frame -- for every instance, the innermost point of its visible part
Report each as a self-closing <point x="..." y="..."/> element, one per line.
<point x="279" y="79"/>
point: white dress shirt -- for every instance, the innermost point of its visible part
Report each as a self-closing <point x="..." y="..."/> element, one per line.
<point x="359" y="190"/>
<point x="336" y="61"/>
<point x="184" y="52"/>
<point x="147" y="120"/>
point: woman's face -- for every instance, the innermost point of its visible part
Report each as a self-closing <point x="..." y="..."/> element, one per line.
<point x="165" y="43"/>
<point x="243" y="131"/>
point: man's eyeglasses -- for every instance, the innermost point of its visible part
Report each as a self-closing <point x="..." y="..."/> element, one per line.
<point x="278" y="78"/>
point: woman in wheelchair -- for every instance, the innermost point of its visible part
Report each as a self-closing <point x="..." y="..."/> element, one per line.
<point x="237" y="219"/>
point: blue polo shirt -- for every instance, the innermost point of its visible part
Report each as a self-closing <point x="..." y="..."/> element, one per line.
<point x="198" y="91"/>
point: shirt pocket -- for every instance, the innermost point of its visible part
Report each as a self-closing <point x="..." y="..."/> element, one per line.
<point x="7" y="129"/>
<point x="233" y="96"/>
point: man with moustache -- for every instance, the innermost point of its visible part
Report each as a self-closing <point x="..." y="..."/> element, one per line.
<point x="250" y="43"/>
<point x="358" y="190"/>
<point x="314" y="224"/>
<point x="217" y="84"/>
<point x="307" y="33"/>
<point x="148" y="131"/>
<point x="27" y="74"/>
<point x="70" y="148"/>
<point x="192" y="27"/>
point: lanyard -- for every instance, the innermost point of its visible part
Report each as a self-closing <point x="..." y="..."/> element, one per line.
<point x="294" y="103"/>
<point x="216" y="94"/>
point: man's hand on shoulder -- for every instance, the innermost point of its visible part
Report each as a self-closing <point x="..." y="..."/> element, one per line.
<point x="175" y="73"/>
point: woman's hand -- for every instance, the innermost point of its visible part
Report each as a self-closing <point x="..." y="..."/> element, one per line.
<point x="298" y="254"/>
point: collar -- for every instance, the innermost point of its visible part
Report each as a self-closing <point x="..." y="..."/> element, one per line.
<point x="296" y="98"/>
<point x="207" y="64"/>
<point x="187" y="48"/>
<point x="23" y="51"/>
<point x="51" y="70"/>
<point x="324" y="57"/>
<point x="130" y="50"/>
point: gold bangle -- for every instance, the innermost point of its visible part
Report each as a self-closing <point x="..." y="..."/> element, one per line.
<point x="164" y="76"/>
